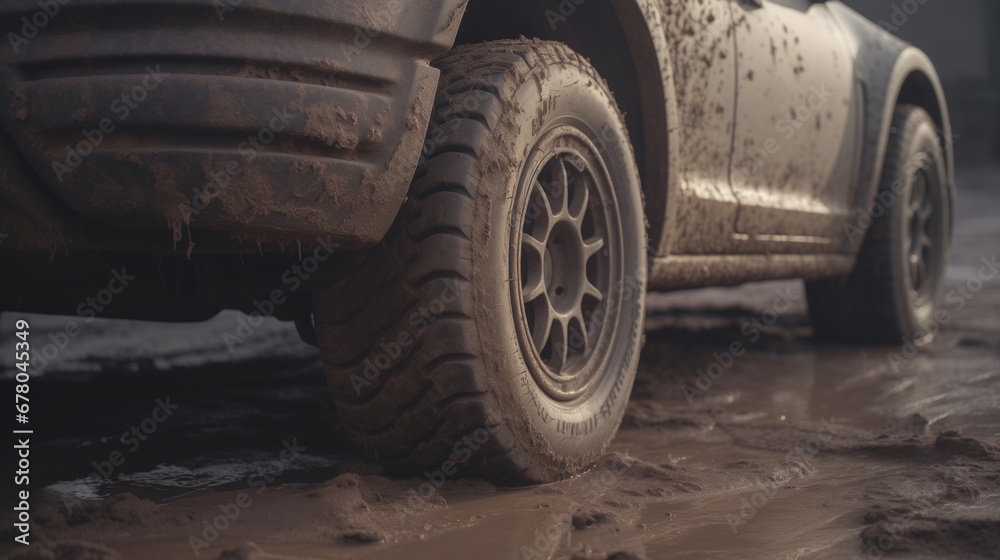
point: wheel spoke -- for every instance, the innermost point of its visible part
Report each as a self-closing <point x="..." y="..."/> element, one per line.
<point x="535" y="246"/>
<point x="560" y="343"/>
<point x="534" y="287"/>
<point x="591" y="247"/>
<point x="925" y="242"/>
<point x="582" y="200"/>
<point x="926" y="209"/>
<point x="532" y="267"/>
<point x="592" y="291"/>
<point x="579" y="327"/>
<point x="543" y="321"/>
<point x="560" y="188"/>
<point x="541" y="212"/>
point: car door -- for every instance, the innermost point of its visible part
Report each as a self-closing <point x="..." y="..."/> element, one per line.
<point x="796" y="144"/>
<point x="703" y="53"/>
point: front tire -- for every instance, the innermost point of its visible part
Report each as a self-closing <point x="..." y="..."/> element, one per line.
<point x="496" y="330"/>
<point x="895" y="287"/>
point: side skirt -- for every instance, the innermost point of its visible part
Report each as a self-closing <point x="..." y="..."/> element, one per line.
<point x="677" y="272"/>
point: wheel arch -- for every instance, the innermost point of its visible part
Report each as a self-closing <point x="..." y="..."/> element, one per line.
<point x="913" y="81"/>
<point x="892" y="72"/>
<point x="607" y="33"/>
<point x="922" y="87"/>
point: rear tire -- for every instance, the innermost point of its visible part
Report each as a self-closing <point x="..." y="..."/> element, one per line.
<point x="435" y="347"/>
<point x="895" y="287"/>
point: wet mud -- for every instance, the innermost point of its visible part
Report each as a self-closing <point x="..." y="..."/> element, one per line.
<point x="744" y="437"/>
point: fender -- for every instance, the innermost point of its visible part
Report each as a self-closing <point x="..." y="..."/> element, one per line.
<point x="891" y="71"/>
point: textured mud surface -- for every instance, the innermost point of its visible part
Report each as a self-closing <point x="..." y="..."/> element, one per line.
<point x="790" y="449"/>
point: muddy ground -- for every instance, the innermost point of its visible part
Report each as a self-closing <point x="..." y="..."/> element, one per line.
<point x="795" y="450"/>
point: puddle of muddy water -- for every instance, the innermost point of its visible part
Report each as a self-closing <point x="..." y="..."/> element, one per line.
<point x="682" y="466"/>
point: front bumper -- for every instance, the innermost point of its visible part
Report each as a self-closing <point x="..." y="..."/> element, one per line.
<point x="260" y="120"/>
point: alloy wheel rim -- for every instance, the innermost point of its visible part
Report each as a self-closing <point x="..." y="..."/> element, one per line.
<point x="569" y="247"/>
<point x="923" y="230"/>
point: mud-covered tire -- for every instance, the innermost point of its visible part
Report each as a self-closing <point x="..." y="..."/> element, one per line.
<point x="895" y="287"/>
<point x="428" y="345"/>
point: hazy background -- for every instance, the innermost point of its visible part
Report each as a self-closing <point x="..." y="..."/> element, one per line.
<point x="962" y="37"/>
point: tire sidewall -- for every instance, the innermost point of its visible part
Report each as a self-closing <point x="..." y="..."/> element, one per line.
<point x="556" y="94"/>
<point x="922" y="148"/>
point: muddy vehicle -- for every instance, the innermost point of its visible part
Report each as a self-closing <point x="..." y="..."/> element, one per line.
<point x="463" y="205"/>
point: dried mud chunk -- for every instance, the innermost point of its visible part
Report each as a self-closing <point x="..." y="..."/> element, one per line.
<point x="952" y="443"/>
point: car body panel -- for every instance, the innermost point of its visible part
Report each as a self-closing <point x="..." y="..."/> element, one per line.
<point x="797" y="128"/>
<point x="703" y="62"/>
<point x="871" y="66"/>
<point x="262" y="120"/>
<point x="697" y="127"/>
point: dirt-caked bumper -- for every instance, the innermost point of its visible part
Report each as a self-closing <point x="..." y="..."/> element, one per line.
<point x="277" y="119"/>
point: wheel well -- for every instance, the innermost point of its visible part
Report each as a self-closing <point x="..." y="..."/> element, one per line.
<point x="918" y="89"/>
<point x="612" y="35"/>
